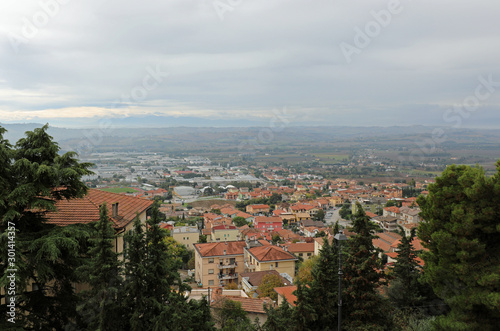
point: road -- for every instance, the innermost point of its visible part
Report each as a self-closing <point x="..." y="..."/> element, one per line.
<point x="334" y="217"/>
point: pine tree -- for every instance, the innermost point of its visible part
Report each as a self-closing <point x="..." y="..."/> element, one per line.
<point x="405" y="290"/>
<point x="100" y="308"/>
<point x="461" y="230"/>
<point x="363" y="306"/>
<point x="318" y="300"/>
<point x="33" y="177"/>
<point x="278" y="318"/>
<point x="154" y="293"/>
<point x="134" y="302"/>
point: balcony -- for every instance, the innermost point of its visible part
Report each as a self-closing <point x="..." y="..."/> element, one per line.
<point x="250" y="266"/>
<point x="228" y="276"/>
<point x="227" y="266"/>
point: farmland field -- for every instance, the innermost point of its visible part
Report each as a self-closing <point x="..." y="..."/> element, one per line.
<point x="119" y="189"/>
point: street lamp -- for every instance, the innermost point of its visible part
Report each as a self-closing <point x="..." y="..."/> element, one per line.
<point x="340" y="237"/>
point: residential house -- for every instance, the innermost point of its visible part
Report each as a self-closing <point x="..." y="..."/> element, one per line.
<point x="387" y="223"/>
<point x="122" y="211"/>
<point x="286" y="292"/>
<point x="224" y="232"/>
<point x="186" y="235"/>
<point x="391" y="211"/>
<point x="269" y="224"/>
<point x="301" y="250"/>
<point x="254" y="307"/>
<point x="270" y="258"/>
<point x="257" y="209"/>
<point x="410" y="215"/>
<point x="218" y="263"/>
<point x="250" y="281"/>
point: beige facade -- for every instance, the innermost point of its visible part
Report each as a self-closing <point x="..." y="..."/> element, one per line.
<point x="224" y="234"/>
<point x="283" y="262"/>
<point x="217" y="264"/>
<point x="186" y="235"/>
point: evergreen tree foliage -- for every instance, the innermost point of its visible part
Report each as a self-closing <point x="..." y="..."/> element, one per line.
<point x="33" y="177"/>
<point x="278" y="318"/>
<point x="100" y="308"/>
<point x="363" y="306"/>
<point x="154" y="293"/>
<point x="318" y="300"/>
<point x="230" y="316"/>
<point x="461" y="229"/>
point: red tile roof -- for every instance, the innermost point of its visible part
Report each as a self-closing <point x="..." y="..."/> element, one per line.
<point x="270" y="253"/>
<point x="86" y="209"/>
<point x="250" y="305"/>
<point x="217" y="249"/>
<point x="300" y="247"/>
<point x="273" y="219"/>
<point x="287" y="292"/>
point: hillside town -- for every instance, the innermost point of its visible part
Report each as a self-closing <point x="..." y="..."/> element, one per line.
<point x="240" y="224"/>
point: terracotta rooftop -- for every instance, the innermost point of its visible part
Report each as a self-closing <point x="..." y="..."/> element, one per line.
<point x="260" y="219"/>
<point x="224" y="227"/>
<point x="270" y="253"/>
<point x="86" y="209"/>
<point x="217" y="249"/>
<point x="300" y="247"/>
<point x="417" y="244"/>
<point x="287" y="292"/>
<point x="386" y="247"/>
<point x="250" y="305"/>
<point x="259" y="206"/>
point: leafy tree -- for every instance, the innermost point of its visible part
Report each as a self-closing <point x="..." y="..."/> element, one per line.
<point x="100" y="308"/>
<point x="33" y="177"/>
<point x="461" y="231"/>
<point x="276" y="238"/>
<point x="320" y="215"/>
<point x="240" y="221"/>
<point x="364" y="307"/>
<point x="275" y="198"/>
<point x="304" y="275"/>
<point x="267" y="285"/>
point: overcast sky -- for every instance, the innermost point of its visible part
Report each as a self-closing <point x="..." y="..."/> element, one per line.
<point x="325" y="62"/>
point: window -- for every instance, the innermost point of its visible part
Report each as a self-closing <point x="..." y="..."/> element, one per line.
<point x="211" y="282"/>
<point x="308" y="254"/>
<point x="211" y="260"/>
<point x="210" y="271"/>
<point x="300" y="254"/>
<point x="276" y="264"/>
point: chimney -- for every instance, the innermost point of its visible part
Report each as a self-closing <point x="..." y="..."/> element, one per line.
<point x="224" y="252"/>
<point x="114" y="209"/>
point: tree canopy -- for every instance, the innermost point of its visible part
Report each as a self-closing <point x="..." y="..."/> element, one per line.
<point x="461" y="229"/>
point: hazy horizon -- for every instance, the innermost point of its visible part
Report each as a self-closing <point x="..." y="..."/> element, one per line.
<point x="250" y="63"/>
